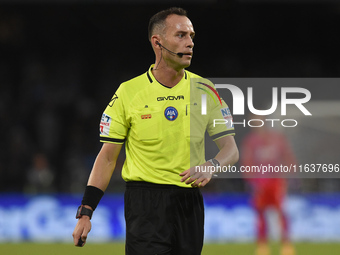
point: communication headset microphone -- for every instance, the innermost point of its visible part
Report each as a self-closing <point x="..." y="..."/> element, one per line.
<point x="180" y="54"/>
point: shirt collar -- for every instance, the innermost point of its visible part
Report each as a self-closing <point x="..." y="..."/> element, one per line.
<point x="152" y="78"/>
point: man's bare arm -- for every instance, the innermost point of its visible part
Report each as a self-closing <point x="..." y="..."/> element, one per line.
<point x="100" y="177"/>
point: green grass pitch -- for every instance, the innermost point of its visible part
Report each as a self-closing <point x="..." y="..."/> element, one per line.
<point x="118" y="249"/>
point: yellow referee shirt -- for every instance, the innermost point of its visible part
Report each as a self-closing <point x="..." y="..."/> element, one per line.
<point x="163" y="128"/>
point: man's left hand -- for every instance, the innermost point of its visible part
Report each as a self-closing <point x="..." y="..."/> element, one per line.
<point x="197" y="176"/>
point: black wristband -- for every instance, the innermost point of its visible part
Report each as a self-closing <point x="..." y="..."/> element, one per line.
<point x="92" y="196"/>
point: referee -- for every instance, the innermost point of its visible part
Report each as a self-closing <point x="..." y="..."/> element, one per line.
<point x="158" y="117"/>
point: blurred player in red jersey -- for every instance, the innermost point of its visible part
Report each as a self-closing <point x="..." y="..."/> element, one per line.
<point x="266" y="147"/>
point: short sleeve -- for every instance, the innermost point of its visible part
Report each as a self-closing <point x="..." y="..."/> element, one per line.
<point x="220" y="121"/>
<point x="114" y="125"/>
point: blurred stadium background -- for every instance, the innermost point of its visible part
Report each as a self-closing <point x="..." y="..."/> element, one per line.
<point x="60" y="63"/>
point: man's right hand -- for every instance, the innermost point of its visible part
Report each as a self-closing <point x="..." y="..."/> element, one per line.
<point x="81" y="231"/>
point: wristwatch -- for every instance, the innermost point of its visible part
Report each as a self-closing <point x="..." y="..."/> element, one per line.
<point x="214" y="162"/>
<point x="83" y="211"/>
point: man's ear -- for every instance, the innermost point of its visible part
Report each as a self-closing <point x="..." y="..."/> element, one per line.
<point x="155" y="41"/>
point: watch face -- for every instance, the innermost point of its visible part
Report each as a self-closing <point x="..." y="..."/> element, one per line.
<point x="78" y="212"/>
<point x="83" y="211"/>
<point x="215" y="162"/>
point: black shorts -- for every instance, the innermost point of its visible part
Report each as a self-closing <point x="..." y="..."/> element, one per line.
<point x="163" y="219"/>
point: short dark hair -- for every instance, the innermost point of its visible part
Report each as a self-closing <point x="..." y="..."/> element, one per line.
<point x="159" y="18"/>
